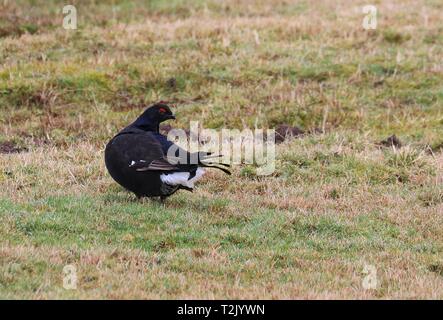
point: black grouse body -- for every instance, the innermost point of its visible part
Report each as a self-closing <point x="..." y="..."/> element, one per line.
<point x="136" y="158"/>
<point x="122" y="150"/>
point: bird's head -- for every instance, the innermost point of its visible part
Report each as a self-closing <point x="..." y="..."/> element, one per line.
<point x="153" y="116"/>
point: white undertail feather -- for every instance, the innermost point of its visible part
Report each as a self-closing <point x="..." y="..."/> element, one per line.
<point x="181" y="178"/>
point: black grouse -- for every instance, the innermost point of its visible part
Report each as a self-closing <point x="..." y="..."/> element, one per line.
<point x="137" y="158"/>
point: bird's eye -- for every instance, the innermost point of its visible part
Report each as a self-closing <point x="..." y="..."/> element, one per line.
<point x="162" y="110"/>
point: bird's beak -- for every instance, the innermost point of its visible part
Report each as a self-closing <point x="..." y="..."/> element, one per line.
<point x="171" y="117"/>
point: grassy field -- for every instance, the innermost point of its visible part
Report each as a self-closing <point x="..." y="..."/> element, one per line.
<point x="337" y="202"/>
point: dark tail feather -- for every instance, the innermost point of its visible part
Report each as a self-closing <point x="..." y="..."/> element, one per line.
<point x="208" y="155"/>
<point x="216" y="163"/>
<point x="186" y="188"/>
<point x="219" y="168"/>
<point x="223" y="164"/>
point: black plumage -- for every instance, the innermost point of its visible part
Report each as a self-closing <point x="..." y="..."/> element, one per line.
<point x="136" y="158"/>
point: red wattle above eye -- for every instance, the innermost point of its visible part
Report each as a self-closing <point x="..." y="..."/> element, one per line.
<point x="162" y="110"/>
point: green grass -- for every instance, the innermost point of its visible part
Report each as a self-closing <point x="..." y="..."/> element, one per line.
<point x="337" y="201"/>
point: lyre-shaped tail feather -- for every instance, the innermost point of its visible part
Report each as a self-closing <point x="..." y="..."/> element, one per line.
<point x="217" y="165"/>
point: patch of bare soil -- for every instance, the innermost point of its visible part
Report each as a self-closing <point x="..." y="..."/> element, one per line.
<point x="284" y="131"/>
<point x="7" y="147"/>
<point x="391" y="141"/>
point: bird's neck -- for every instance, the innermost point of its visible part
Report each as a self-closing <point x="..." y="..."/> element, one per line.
<point x="147" y="126"/>
<point x="154" y="128"/>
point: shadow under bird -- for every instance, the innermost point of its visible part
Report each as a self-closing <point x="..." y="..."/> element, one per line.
<point x="137" y="158"/>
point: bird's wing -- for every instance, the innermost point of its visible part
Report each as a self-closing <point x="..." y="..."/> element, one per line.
<point x="142" y="151"/>
<point x="161" y="164"/>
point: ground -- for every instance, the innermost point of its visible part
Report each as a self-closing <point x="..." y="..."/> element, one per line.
<point x="339" y="203"/>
